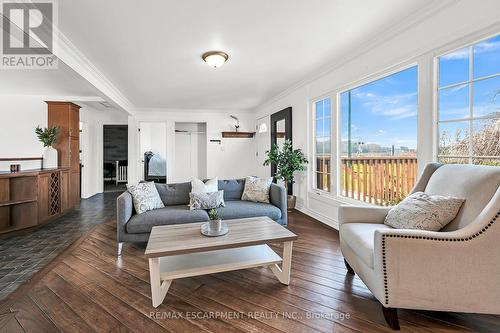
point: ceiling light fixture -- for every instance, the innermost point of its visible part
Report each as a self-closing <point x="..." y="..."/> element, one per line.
<point x="215" y="59"/>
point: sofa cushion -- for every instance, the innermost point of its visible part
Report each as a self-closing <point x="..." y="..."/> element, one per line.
<point x="174" y="194"/>
<point x="257" y="189"/>
<point x="237" y="209"/>
<point x="360" y="238"/>
<point x="233" y="188"/>
<point x="145" y="197"/>
<point x="143" y="223"/>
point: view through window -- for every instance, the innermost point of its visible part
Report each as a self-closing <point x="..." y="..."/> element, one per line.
<point x="469" y="104"/>
<point x="323" y="139"/>
<point x="379" y="139"/>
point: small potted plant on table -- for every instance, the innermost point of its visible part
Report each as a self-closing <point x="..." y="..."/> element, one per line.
<point x="287" y="161"/>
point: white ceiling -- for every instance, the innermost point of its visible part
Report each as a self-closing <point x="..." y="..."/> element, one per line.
<point x="151" y="50"/>
<point x="62" y="81"/>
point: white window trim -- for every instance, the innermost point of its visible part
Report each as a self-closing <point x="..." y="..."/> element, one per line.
<point x="470" y="83"/>
<point x="312" y="157"/>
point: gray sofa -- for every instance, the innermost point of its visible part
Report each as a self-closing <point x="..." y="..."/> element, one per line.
<point x="132" y="227"/>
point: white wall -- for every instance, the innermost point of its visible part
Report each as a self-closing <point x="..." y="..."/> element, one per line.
<point x="19" y="116"/>
<point x="233" y="158"/>
<point x="448" y="29"/>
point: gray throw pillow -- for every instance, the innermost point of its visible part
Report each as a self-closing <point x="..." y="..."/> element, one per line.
<point x="207" y="200"/>
<point x="145" y="197"/>
<point x="257" y="189"/>
<point x="424" y="212"/>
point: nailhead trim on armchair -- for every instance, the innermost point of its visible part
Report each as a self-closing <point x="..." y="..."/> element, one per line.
<point x="384" y="266"/>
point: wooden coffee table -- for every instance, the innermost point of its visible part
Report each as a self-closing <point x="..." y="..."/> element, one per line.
<point x="179" y="251"/>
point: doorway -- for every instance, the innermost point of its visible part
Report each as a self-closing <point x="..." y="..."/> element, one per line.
<point x="115" y="157"/>
<point x="190" y="151"/>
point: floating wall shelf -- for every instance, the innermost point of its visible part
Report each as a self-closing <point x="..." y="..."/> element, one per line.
<point x="238" y="134"/>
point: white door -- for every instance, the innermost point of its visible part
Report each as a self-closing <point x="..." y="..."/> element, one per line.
<point x="183" y="162"/>
<point x="263" y="137"/>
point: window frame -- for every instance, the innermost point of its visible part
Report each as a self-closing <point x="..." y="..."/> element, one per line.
<point x="370" y="79"/>
<point x="470" y="84"/>
<point x="332" y="144"/>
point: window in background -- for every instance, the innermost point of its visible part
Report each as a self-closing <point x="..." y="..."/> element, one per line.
<point x="379" y="139"/>
<point x="469" y="104"/>
<point x="322" y="142"/>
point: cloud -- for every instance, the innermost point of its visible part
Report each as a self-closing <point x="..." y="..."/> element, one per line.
<point x="478" y="49"/>
<point x="399" y="106"/>
<point x="380" y="133"/>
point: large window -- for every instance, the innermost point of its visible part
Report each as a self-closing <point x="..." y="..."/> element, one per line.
<point x="323" y="146"/>
<point x="379" y="139"/>
<point x="469" y="104"/>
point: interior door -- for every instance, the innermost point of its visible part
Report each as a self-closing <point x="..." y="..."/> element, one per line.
<point x="183" y="157"/>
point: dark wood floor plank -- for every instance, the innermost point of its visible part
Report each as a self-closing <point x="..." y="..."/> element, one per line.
<point x="29" y="318"/>
<point x="94" y="315"/>
<point x="62" y="315"/>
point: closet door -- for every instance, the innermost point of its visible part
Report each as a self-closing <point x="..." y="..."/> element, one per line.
<point x="183" y="163"/>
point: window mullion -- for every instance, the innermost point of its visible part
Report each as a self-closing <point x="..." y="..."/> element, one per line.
<point x="471" y="102"/>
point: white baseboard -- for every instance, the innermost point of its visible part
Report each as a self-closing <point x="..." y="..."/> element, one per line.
<point x="320" y="217"/>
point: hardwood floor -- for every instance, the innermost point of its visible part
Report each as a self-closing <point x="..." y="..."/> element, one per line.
<point x="87" y="288"/>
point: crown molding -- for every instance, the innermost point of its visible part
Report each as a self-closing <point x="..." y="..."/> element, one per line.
<point x="68" y="53"/>
<point x="395" y="30"/>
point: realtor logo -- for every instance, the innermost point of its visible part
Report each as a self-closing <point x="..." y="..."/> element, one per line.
<point x="28" y="34"/>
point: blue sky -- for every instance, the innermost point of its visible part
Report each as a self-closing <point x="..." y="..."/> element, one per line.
<point x="384" y="111"/>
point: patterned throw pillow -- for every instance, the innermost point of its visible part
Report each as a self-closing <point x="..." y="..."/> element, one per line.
<point x="257" y="189"/>
<point x="423" y="211"/>
<point x="145" y="197"/>
<point x="206" y="200"/>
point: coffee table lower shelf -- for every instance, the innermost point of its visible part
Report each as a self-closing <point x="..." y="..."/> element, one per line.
<point x="163" y="270"/>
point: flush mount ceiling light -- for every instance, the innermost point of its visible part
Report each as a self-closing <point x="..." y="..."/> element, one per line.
<point x="215" y="59"/>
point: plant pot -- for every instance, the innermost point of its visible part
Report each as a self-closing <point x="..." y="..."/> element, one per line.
<point x="291" y="200"/>
<point x="215" y="225"/>
<point x="49" y="158"/>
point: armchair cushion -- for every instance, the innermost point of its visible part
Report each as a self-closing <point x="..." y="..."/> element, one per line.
<point x="360" y="238"/>
<point x="423" y="211"/>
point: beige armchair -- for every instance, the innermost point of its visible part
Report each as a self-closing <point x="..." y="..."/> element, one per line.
<point x="455" y="269"/>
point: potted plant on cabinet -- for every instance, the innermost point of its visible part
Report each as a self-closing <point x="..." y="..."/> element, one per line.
<point x="287" y="161"/>
<point x="48" y="136"/>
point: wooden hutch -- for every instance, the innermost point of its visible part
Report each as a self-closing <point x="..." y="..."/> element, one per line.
<point x="33" y="197"/>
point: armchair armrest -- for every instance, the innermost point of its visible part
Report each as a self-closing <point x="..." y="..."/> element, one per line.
<point x="124" y="211"/>
<point x="362" y="214"/>
<point x="277" y="197"/>
<point x="446" y="271"/>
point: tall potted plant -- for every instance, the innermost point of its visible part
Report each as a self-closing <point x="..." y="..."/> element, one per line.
<point x="287" y="161"/>
<point x="48" y="136"/>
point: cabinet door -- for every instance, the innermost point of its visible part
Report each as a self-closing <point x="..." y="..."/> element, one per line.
<point x="74" y="188"/>
<point x="74" y="122"/>
<point x="74" y="156"/>
<point x="65" y="199"/>
<point x="43" y="197"/>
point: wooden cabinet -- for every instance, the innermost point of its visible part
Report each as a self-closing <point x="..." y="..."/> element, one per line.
<point x="33" y="197"/>
<point x="66" y="116"/>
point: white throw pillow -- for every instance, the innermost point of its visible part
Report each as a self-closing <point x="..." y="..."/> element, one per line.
<point x="257" y="189"/>
<point x="424" y="212"/>
<point x="198" y="186"/>
<point x="145" y="197"/>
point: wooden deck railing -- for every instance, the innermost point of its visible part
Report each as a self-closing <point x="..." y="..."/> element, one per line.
<point x="382" y="181"/>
